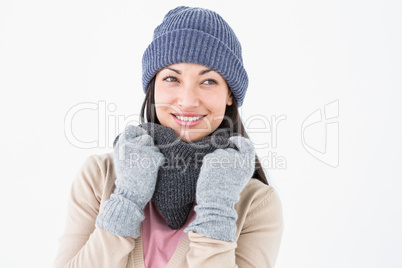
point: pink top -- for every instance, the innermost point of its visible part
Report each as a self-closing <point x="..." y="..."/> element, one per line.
<point x="159" y="241"/>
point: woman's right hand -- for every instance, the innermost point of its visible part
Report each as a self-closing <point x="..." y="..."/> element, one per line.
<point x="136" y="163"/>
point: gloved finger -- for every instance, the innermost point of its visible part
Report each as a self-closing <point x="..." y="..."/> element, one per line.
<point x="141" y="141"/>
<point x="211" y="160"/>
<point x="154" y="149"/>
<point x="160" y="159"/>
<point x="244" y="145"/>
<point x="123" y="146"/>
<point x="131" y="132"/>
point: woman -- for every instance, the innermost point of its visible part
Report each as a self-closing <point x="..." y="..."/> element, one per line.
<point x="185" y="188"/>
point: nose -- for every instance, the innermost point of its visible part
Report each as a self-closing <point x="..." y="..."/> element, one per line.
<point x="188" y="98"/>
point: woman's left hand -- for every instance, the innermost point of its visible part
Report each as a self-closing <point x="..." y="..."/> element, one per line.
<point x="224" y="174"/>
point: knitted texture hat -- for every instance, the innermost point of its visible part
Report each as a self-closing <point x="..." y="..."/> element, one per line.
<point x="201" y="36"/>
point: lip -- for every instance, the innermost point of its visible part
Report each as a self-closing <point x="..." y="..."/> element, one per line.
<point x="187" y="123"/>
<point x="188" y="114"/>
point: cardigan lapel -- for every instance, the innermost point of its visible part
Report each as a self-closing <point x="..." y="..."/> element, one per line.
<point x="137" y="255"/>
<point x="178" y="258"/>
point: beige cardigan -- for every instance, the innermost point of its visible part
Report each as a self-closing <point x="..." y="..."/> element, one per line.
<point x="84" y="244"/>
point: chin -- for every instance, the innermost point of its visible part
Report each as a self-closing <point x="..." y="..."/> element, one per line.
<point x="191" y="134"/>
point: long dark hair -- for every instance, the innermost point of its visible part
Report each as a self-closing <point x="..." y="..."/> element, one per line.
<point x="231" y="113"/>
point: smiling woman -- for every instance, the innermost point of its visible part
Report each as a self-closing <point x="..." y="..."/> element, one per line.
<point x="185" y="187"/>
<point x="191" y="99"/>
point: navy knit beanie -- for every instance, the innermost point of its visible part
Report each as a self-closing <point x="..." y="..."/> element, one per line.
<point x="200" y="36"/>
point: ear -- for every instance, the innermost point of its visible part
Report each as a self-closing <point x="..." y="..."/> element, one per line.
<point x="229" y="99"/>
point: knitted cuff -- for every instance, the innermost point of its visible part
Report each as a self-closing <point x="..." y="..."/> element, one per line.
<point x="120" y="216"/>
<point x="135" y="197"/>
<point x="214" y="220"/>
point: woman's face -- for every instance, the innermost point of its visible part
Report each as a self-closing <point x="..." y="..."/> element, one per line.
<point x="191" y="99"/>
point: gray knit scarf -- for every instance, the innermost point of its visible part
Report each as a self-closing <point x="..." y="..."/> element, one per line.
<point x="177" y="177"/>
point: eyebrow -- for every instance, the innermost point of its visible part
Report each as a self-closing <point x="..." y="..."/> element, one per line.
<point x="205" y="71"/>
<point x="200" y="73"/>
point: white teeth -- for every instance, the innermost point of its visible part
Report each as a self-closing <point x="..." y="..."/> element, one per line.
<point x="185" y="118"/>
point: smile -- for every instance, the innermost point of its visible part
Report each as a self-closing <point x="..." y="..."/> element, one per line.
<point x="188" y="120"/>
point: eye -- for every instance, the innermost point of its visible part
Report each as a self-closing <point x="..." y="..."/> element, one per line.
<point x="210" y="82"/>
<point x="170" y="79"/>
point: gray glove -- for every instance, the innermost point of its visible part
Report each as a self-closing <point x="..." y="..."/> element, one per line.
<point x="224" y="174"/>
<point x="136" y="163"/>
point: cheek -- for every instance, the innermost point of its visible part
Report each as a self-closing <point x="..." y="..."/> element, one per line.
<point x="163" y="100"/>
<point x="217" y="103"/>
<point x="158" y="95"/>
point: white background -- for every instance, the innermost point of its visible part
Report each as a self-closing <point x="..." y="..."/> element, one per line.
<point x="300" y="56"/>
